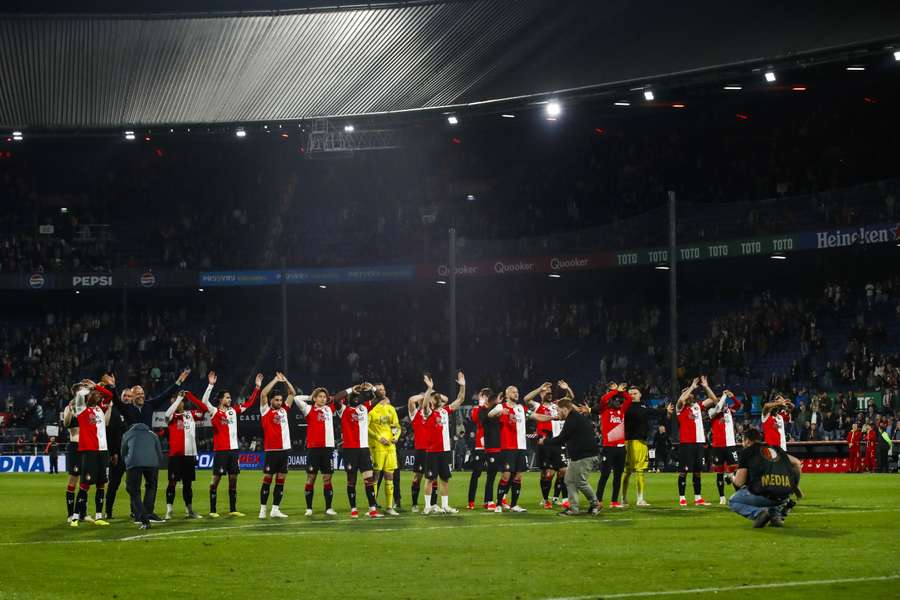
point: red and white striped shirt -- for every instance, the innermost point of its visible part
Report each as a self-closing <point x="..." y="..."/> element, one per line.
<point x="548" y="429"/>
<point x="276" y="430"/>
<point x="319" y="423"/>
<point x="421" y="433"/>
<point x="773" y="428"/>
<point x="92" y="428"/>
<point x="224" y="423"/>
<point x="183" y="426"/>
<point x="512" y="428"/>
<point x="721" y="418"/>
<point x="690" y="424"/>
<point x="355" y="425"/>
<point x="438" y="423"/>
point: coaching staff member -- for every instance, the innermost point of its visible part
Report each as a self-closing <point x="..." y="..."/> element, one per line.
<point x="581" y="446"/>
<point x="143" y="455"/>
<point x="765" y="478"/>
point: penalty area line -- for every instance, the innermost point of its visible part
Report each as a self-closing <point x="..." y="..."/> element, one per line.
<point x="734" y="588"/>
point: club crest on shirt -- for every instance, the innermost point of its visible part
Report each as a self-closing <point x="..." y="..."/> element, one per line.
<point x="359" y="416"/>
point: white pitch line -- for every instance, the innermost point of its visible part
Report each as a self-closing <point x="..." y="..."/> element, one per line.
<point x="734" y="588"/>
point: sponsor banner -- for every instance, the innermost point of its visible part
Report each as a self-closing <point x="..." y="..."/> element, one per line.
<point x="350" y="275"/>
<point x="38" y="281"/>
<point x="732" y="249"/>
<point x="30" y="463"/>
<point x="309" y="276"/>
<point x="92" y="280"/>
<point x="225" y="278"/>
<point x="519" y="266"/>
<point x="297" y="460"/>
<point x="862" y="400"/>
<point x="148" y="279"/>
<point x="850" y="236"/>
<point x="247" y="460"/>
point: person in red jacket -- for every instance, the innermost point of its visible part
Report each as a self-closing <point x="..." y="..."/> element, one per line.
<point x="854" y="436"/>
<point x="871" y="439"/>
<point x="613" y="406"/>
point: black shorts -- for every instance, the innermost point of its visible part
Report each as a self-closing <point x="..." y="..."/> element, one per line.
<point x="492" y="461"/>
<point x="551" y="457"/>
<point x="613" y="457"/>
<point x="438" y="465"/>
<point x="421" y="461"/>
<point x="357" y="459"/>
<point x="478" y="460"/>
<point x="73" y="461"/>
<point x="93" y="466"/>
<point x="182" y="468"/>
<point x="514" y="461"/>
<point x="691" y="458"/>
<point x="320" y="460"/>
<point x="276" y="461"/>
<point x="724" y="459"/>
<point x="226" y="461"/>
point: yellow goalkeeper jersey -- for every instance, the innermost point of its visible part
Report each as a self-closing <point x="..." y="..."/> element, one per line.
<point x="383" y="422"/>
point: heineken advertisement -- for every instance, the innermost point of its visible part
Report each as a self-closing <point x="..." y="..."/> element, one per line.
<point x="851" y="236"/>
<point x="733" y="249"/>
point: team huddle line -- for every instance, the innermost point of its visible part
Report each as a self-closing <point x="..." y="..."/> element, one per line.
<point x="370" y="428"/>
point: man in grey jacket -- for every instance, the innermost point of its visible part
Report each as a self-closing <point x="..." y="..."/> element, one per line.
<point x="142" y="453"/>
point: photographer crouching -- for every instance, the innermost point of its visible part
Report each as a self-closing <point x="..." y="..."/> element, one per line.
<point x="765" y="479"/>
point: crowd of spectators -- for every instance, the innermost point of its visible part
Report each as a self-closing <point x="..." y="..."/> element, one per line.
<point x="505" y="335"/>
<point x="42" y="359"/>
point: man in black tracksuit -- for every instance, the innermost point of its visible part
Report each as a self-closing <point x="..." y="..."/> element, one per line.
<point x="581" y="447"/>
<point x="135" y="408"/>
<point x="139" y="409"/>
<point x="114" y="432"/>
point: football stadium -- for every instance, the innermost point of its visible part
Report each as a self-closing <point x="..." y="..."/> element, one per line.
<point x="519" y="299"/>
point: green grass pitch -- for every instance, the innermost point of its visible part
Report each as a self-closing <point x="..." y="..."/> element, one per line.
<point x="841" y="542"/>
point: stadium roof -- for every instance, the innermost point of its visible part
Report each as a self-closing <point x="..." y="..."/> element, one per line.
<point x="105" y="70"/>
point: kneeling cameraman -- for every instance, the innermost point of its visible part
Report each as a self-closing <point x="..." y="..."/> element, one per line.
<point x="765" y="479"/>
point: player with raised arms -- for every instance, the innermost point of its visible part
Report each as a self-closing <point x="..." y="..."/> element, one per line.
<point x="225" y="443"/>
<point x="436" y="412"/>
<point x="692" y="439"/>
<point x="276" y="443"/>
<point x="183" y="448"/>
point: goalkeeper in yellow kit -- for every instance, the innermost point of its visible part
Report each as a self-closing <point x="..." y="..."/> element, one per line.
<point x="384" y="431"/>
